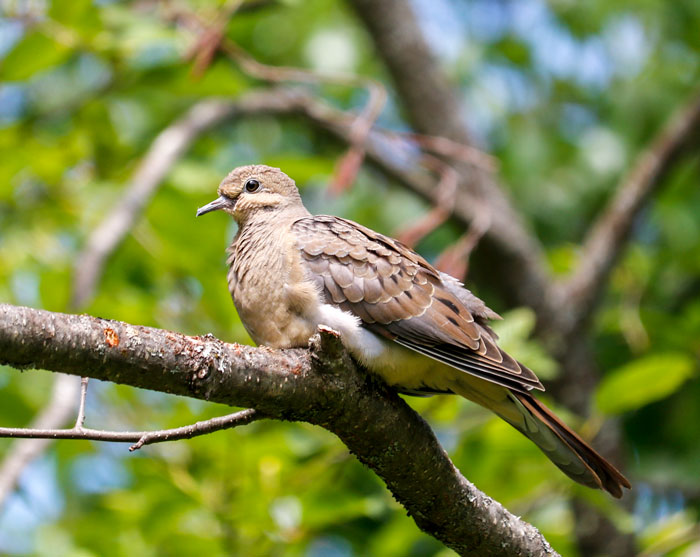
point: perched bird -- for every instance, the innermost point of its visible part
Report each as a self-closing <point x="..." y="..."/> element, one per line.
<point x="416" y="327"/>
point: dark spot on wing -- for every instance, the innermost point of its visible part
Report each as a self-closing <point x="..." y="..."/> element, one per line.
<point x="450" y="304"/>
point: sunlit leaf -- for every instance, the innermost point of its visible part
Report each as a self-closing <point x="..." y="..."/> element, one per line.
<point x="643" y="381"/>
<point x="36" y="52"/>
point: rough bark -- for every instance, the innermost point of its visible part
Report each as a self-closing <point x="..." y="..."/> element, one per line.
<point x="321" y="386"/>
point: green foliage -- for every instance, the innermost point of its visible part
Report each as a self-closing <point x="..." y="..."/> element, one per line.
<point x="643" y="381"/>
<point x="564" y="94"/>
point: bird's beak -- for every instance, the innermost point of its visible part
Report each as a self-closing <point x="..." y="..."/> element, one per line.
<point x="219" y="203"/>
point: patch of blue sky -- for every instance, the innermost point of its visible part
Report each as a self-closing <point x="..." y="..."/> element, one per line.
<point x="495" y="89"/>
<point x="38" y="500"/>
<point x="574" y="120"/>
<point x="652" y="507"/>
<point x="11" y="31"/>
<point x="486" y="20"/>
<point x="628" y="44"/>
<point x="13" y="102"/>
<point x="155" y="54"/>
<point x="441" y="27"/>
<point x="99" y="473"/>
<point x="24" y="285"/>
<point x="620" y="49"/>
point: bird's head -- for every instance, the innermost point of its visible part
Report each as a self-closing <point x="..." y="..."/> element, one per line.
<point x="249" y="190"/>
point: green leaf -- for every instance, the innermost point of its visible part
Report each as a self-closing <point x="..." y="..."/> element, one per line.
<point x="81" y="15"/>
<point x="35" y="53"/>
<point x="643" y="381"/>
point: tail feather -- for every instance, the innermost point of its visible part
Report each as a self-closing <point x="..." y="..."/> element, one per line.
<point x="569" y="452"/>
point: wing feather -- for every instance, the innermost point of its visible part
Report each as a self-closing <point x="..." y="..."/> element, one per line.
<point x="398" y="294"/>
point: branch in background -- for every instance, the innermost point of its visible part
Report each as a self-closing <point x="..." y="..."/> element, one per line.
<point x="165" y="150"/>
<point x="58" y="411"/>
<point x="607" y="237"/>
<point x="211" y="38"/>
<point x="445" y="194"/>
<point x="515" y="254"/>
<point x="455" y="259"/>
<point x="321" y="386"/>
<point x="453" y="150"/>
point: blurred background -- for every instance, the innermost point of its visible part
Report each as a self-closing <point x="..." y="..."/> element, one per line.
<point x="563" y="95"/>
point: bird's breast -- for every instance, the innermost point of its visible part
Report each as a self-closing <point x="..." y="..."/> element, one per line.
<point x="270" y="295"/>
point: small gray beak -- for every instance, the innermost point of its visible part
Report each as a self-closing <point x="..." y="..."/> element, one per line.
<point x="218" y="203"/>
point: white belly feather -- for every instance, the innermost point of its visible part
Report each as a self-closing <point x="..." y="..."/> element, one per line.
<point x="394" y="363"/>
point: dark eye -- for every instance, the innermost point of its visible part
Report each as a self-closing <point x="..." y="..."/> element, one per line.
<point x="252" y="186"/>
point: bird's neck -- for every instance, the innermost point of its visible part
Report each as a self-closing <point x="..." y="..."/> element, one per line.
<point x="272" y="216"/>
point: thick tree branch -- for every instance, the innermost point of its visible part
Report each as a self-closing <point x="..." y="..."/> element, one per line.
<point x="608" y="235"/>
<point x="321" y="386"/>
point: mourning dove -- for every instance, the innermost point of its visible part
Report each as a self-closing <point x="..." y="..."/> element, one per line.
<point x="417" y="328"/>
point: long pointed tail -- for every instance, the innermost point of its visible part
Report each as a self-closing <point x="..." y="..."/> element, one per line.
<point x="565" y="448"/>
<point x="538" y="423"/>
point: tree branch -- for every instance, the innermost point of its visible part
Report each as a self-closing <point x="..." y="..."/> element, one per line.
<point x="607" y="237"/>
<point x="139" y="438"/>
<point x="321" y="386"/>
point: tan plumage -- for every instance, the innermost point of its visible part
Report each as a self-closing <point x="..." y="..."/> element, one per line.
<point x="418" y="328"/>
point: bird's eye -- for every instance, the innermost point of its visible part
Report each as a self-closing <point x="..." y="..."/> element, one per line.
<point x="252" y="186"/>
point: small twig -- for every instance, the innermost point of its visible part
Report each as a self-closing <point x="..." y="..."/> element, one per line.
<point x="350" y="163"/>
<point x="209" y="40"/>
<point x="447" y="148"/>
<point x="455" y="259"/>
<point x="445" y="195"/>
<point x="212" y="38"/>
<point x="140" y="438"/>
<point x="455" y="150"/>
<point x="80" y="420"/>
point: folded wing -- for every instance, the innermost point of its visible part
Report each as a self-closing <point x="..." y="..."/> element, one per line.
<point x="399" y="295"/>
